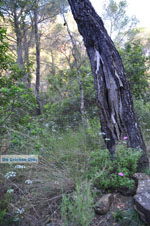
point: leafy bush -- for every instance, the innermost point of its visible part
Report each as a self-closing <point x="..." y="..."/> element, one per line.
<point x="136" y="66"/>
<point x="143" y="113"/>
<point x="65" y="113"/>
<point x="114" y="174"/>
<point x="16" y="102"/>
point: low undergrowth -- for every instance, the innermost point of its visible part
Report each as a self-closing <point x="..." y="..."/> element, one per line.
<point x="60" y="188"/>
<point x="116" y="173"/>
<point x="128" y="217"/>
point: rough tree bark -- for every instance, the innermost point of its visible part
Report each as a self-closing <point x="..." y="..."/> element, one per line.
<point x="113" y="95"/>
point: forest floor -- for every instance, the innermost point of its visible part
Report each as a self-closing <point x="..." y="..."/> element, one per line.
<point x="121" y="213"/>
<point x="38" y="189"/>
<point x="45" y="206"/>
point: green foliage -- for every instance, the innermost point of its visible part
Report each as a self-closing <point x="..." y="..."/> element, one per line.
<point x="136" y="65"/>
<point x="129" y="217"/>
<point x="66" y="113"/>
<point x="5" y="219"/>
<point x="63" y="146"/>
<point x="3" y="50"/>
<point x="147" y="171"/>
<point x="2" y="214"/>
<point x="62" y="102"/>
<point x="117" y="22"/>
<point x="143" y="113"/>
<point x="117" y="173"/>
<point x="16" y="101"/>
<point x="77" y="210"/>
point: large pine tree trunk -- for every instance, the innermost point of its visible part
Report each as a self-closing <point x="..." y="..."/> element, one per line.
<point x="113" y="95"/>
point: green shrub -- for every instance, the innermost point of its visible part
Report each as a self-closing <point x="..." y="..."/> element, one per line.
<point x="136" y="66"/>
<point x="77" y="210"/>
<point x="143" y="113"/>
<point x="5" y="217"/>
<point x="64" y="113"/>
<point x="114" y="174"/>
<point x="2" y="214"/>
<point x="129" y="217"/>
<point x="16" y="102"/>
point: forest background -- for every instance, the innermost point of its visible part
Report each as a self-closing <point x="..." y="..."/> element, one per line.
<point x="48" y="108"/>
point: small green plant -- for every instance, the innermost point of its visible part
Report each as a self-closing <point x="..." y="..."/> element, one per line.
<point x="143" y="111"/>
<point x="147" y="171"/>
<point x="2" y="214"/>
<point x="118" y="215"/>
<point x="76" y="210"/>
<point x="108" y="174"/>
<point x="129" y="217"/>
<point x="4" y="206"/>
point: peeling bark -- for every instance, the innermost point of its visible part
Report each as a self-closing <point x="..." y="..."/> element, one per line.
<point x="113" y="95"/>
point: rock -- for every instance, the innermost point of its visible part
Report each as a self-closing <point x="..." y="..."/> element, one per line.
<point x="142" y="206"/>
<point x="141" y="176"/>
<point x="103" y="204"/>
<point x="127" y="192"/>
<point x="142" y="197"/>
<point x="143" y="186"/>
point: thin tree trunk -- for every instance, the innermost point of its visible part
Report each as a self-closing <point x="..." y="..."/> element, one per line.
<point x="37" y="41"/>
<point x="28" y="36"/>
<point x="26" y="78"/>
<point x="75" y="53"/>
<point x="113" y="95"/>
<point x="19" y="41"/>
<point x="53" y="63"/>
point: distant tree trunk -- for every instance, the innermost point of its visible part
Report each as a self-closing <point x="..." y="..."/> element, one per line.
<point x="27" y="39"/>
<point x="75" y="53"/>
<point x="26" y="78"/>
<point x="37" y="43"/>
<point x="19" y="40"/>
<point x="113" y="95"/>
<point x="53" y="63"/>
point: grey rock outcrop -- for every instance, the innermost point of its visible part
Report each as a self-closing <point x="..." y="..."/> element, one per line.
<point x="142" y="197"/>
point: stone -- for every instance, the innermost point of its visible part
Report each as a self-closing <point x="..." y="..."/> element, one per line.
<point x="102" y="206"/>
<point x="143" y="186"/>
<point x="141" y="176"/>
<point x="142" y="197"/>
<point x="142" y="206"/>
